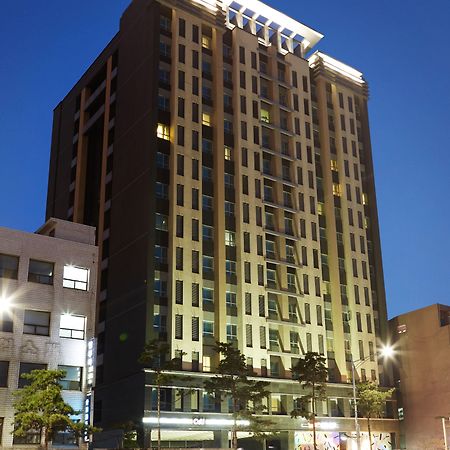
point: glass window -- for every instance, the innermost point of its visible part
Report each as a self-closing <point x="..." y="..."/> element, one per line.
<point x="40" y="272"/>
<point x="36" y="322"/>
<point x="163" y="131"/>
<point x="9" y="266"/>
<point x="161" y="222"/>
<point x="72" y="380"/>
<point x="207" y="295"/>
<point x="4" y="368"/>
<point x="231" y="332"/>
<point x="230" y="238"/>
<point x="206" y="119"/>
<point x="72" y="327"/>
<point x="208" y="264"/>
<point x="6" y="321"/>
<point x="76" y="278"/>
<point x="27" y="368"/>
<point x="208" y="328"/>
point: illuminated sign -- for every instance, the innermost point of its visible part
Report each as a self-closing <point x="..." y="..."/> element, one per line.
<point x="87" y="414"/>
<point x="195" y="421"/>
<point x="90" y="362"/>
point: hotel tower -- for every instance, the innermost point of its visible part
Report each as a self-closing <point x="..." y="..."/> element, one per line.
<point x="227" y="167"/>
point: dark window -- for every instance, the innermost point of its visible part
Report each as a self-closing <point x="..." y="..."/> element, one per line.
<point x="195" y="33"/>
<point x="179" y="292"/>
<point x="178" y="326"/>
<point x="72" y="381"/>
<point x="195" y="85"/>
<point x="254" y="64"/>
<point x="36" y="322"/>
<point x="40" y="272"/>
<point x="27" y="368"/>
<point x="181" y="80"/>
<point x="182" y="27"/>
<point x="6" y="322"/>
<point x="180" y="165"/>
<point x="179" y="226"/>
<point x="180" y="107"/>
<point x="9" y="266"/>
<point x="180" y="135"/>
<point x="180" y="195"/>
<point x="4" y="368"/>
<point x="181" y="53"/>
<point x="242" y="55"/>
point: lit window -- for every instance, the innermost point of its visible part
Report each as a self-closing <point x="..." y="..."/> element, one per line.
<point x="163" y="131"/>
<point x="161" y="222"/>
<point x="230" y="238"/>
<point x="206" y="42"/>
<point x="206" y="119"/>
<point x="228" y="153"/>
<point x="265" y="116"/>
<point x="76" y="278"/>
<point x="72" y="327"/>
<point x="336" y="189"/>
<point x="334" y="164"/>
<point x="72" y="379"/>
<point x="364" y="199"/>
<point x="401" y="329"/>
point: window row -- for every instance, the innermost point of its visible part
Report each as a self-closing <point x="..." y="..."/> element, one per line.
<point x="38" y="323"/>
<point x="72" y="380"/>
<point x="43" y="272"/>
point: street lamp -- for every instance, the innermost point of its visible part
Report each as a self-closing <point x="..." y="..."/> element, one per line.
<point x="386" y="351"/>
<point x="5" y="303"/>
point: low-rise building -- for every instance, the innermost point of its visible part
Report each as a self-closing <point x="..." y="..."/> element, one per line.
<point x="422" y="373"/>
<point x="47" y="315"/>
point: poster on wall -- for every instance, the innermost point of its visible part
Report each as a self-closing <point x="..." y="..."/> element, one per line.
<point x="304" y="440"/>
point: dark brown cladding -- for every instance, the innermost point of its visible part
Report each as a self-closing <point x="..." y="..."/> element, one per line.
<point x="128" y="279"/>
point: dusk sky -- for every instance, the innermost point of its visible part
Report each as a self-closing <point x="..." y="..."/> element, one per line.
<point x="402" y="47"/>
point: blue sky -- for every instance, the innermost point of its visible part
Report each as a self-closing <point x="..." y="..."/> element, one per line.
<point x="402" y="47"/>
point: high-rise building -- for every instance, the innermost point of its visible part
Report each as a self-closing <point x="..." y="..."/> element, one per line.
<point x="47" y="318"/>
<point x="421" y="339"/>
<point x="227" y="167"/>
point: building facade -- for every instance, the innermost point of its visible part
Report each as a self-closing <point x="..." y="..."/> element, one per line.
<point x="47" y="316"/>
<point x="422" y="375"/>
<point x="227" y="168"/>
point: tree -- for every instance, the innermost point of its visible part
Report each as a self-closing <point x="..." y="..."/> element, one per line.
<point x="40" y="406"/>
<point x="232" y="383"/>
<point x="311" y="373"/>
<point x="371" y="402"/>
<point x="155" y="355"/>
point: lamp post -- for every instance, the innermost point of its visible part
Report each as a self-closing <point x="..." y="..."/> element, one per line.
<point x="387" y="352"/>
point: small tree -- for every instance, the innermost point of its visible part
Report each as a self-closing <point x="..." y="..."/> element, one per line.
<point x="155" y="357"/>
<point x="311" y="373"/>
<point x="232" y="383"/>
<point x="40" y="406"/>
<point x="371" y="402"/>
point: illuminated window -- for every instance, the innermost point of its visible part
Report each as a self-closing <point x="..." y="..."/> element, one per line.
<point x="72" y="327"/>
<point x="206" y="42"/>
<point x="206" y="119"/>
<point x="163" y="131"/>
<point x="228" y="153"/>
<point x="336" y="189"/>
<point x="401" y="329"/>
<point x="76" y="278"/>
<point x="230" y="238"/>
<point x="72" y="380"/>
<point x="364" y="199"/>
<point x="265" y="116"/>
<point x="334" y="165"/>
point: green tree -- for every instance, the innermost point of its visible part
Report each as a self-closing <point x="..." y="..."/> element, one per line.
<point x="311" y="372"/>
<point x="371" y="402"/>
<point x="40" y="406"/>
<point x="231" y="382"/>
<point x="155" y="356"/>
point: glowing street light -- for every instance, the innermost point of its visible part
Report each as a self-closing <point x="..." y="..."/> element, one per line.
<point x="5" y="304"/>
<point x="387" y="351"/>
